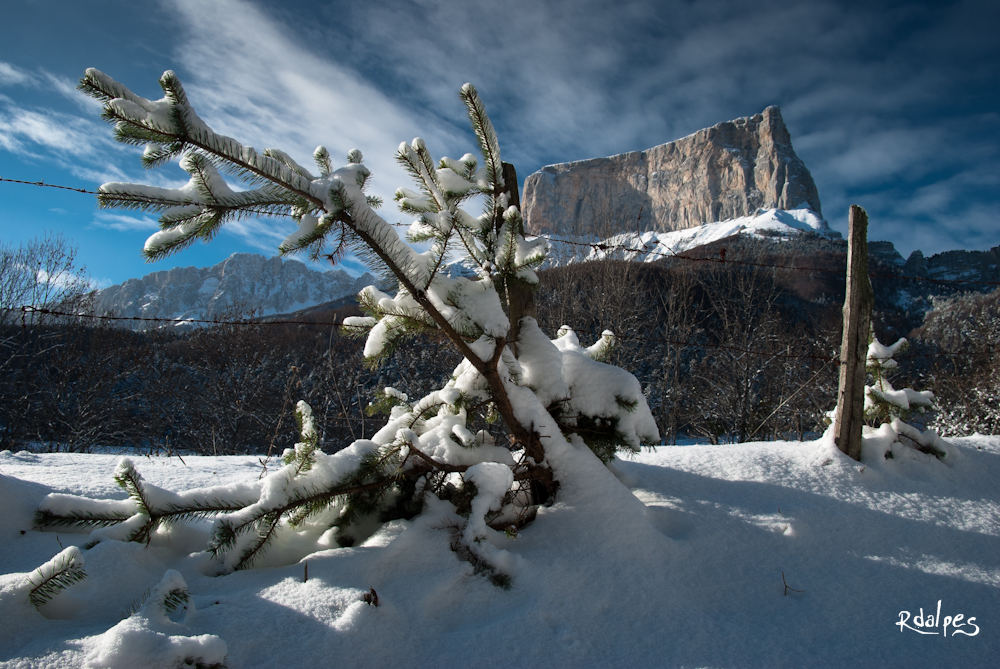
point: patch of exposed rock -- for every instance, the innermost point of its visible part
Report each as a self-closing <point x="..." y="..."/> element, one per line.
<point x="724" y="172"/>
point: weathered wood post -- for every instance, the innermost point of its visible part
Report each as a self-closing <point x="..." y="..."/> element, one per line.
<point x="858" y="305"/>
<point x="520" y="296"/>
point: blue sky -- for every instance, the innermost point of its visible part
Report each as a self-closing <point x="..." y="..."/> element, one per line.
<point x="893" y="106"/>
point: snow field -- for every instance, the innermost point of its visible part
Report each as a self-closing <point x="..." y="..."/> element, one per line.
<point x="684" y="570"/>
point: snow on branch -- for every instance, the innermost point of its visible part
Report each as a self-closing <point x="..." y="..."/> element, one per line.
<point x="54" y="576"/>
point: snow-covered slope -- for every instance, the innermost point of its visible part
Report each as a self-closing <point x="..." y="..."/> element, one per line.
<point x="654" y="246"/>
<point x="686" y="571"/>
<point x="270" y="285"/>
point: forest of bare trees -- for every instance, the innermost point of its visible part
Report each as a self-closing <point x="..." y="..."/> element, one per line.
<point x="726" y="352"/>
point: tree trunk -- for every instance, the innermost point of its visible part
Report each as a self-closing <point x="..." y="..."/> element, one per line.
<point x="520" y="296"/>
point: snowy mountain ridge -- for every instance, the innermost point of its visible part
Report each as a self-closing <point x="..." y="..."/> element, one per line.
<point x="650" y="246"/>
<point x="243" y="280"/>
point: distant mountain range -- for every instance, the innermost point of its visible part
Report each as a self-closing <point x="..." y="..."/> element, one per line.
<point x="241" y="282"/>
<point x="271" y="286"/>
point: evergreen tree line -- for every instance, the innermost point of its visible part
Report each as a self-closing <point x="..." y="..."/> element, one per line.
<point x="726" y="351"/>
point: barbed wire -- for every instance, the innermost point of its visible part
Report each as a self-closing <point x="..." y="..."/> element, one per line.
<point x="774" y="354"/>
<point x="45" y="185"/>
<point x="30" y="309"/>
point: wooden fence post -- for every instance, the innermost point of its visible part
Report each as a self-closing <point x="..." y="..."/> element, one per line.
<point x="858" y="305"/>
<point x="520" y="296"/>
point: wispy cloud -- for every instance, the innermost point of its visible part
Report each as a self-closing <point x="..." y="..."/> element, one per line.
<point x="261" y="235"/>
<point x="10" y="74"/>
<point x="79" y="143"/>
<point x="124" y="223"/>
<point x="251" y="77"/>
<point x="55" y="131"/>
<point x="67" y="88"/>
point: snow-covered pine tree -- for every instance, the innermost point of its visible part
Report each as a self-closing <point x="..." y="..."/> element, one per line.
<point x="887" y="409"/>
<point x="553" y="396"/>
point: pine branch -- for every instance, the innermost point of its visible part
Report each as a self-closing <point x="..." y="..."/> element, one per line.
<point x="54" y="576"/>
<point x="78" y="519"/>
<point x="480" y="565"/>
<point x="322" y="158"/>
<point x="265" y="522"/>
<point x="288" y="162"/>
<point x="171" y="601"/>
<point x="440" y="466"/>
<point x="136" y="604"/>
<point x="128" y="477"/>
<point x="173" y="128"/>
<point x="266" y="529"/>
<point x="486" y="137"/>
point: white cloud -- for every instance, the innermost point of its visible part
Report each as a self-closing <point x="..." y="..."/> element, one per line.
<point x="263" y="235"/>
<point x="41" y="79"/>
<point x="51" y="130"/>
<point x="101" y="283"/>
<point x="10" y="74"/>
<point x="67" y="88"/>
<point x="124" y="223"/>
<point x="874" y="156"/>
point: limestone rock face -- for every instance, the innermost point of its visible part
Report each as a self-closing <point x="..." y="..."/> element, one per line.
<point x="719" y="173"/>
<point x="243" y="280"/>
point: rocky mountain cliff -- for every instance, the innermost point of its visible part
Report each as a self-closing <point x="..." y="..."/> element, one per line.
<point x="724" y="172"/>
<point x="970" y="266"/>
<point x="270" y="285"/>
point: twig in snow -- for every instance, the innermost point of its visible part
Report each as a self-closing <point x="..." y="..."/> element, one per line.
<point x="787" y="587"/>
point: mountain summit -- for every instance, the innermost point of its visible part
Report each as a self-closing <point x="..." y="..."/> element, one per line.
<point x="720" y="173"/>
